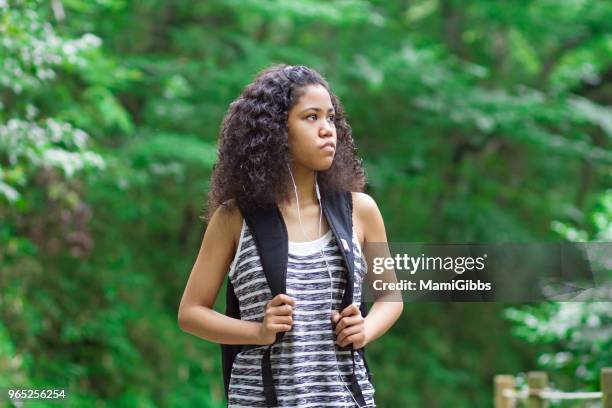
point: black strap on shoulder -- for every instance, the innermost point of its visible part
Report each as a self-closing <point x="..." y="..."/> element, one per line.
<point x="338" y="208"/>
<point x="272" y="243"/>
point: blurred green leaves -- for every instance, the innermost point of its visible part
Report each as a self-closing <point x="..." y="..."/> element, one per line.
<point x="477" y="121"/>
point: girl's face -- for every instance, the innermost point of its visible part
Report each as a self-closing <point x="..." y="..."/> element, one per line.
<point x="312" y="132"/>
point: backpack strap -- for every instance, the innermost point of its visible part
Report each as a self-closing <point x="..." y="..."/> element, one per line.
<point x="338" y="208"/>
<point x="229" y="351"/>
<point x="272" y="242"/>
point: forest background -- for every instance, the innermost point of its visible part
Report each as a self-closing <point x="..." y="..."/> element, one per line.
<point x="478" y="121"/>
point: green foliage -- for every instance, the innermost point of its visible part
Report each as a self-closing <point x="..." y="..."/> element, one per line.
<point x="478" y="121"/>
<point x="576" y="334"/>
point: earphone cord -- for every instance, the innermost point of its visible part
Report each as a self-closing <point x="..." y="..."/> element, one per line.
<point x="331" y="296"/>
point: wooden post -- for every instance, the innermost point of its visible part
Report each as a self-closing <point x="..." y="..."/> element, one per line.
<point x="606" y="387"/>
<point x="503" y="382"/>
<point x="537" y="381"/>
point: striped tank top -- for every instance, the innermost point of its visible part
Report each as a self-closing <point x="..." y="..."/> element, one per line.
<point x="307" y="365"/>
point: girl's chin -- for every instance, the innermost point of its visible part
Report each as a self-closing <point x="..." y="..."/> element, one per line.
<point x="324" y="165"/>
<point x="318" y="164"/>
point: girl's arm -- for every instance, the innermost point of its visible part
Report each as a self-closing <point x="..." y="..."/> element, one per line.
<point x="196" y="314"/>
<point x="386" y="309"/>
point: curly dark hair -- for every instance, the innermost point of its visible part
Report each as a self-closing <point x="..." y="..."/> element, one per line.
<point x="253" y="149"/>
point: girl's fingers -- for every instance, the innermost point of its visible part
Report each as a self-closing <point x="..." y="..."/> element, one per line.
<point x="355" y="339"/>
<point x="281" y="299"/>
<point x="350" y="310"/>
<point x="335" y="316"/>
<point x="281" y="320"/>
<point x="348" y="332"/>
<point x="348" y="321"/>
<point x="282" y="310"/>
<point x="280" y="327"/>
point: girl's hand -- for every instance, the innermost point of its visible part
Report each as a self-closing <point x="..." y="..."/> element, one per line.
<point x="277" y="318"/>
<point x="350" y="327"/>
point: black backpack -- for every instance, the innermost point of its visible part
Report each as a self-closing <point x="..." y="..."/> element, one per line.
<point x="271" y="240"/>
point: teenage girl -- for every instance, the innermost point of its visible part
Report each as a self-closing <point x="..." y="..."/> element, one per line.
<point x="283" y="140"/>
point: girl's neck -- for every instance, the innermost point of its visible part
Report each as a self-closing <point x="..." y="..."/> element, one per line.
<point x="305" y="184"/>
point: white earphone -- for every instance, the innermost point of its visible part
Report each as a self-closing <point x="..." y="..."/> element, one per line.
<point x="331" y="293"/>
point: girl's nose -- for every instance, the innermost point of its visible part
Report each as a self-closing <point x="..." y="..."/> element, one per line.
<point x="326" y="131"/>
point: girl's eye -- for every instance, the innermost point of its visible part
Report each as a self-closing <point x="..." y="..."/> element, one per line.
<point x="332" y="117"/>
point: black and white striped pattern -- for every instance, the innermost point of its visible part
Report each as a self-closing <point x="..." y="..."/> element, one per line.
<point x="305" y="364"/>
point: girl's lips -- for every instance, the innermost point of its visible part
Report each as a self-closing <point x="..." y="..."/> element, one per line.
<point x="328" y="147"/>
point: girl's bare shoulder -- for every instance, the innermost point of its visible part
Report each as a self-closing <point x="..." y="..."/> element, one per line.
<point x="363" y="204"/>
<point x="368" y="218"/>
<point x="227" y="219"/>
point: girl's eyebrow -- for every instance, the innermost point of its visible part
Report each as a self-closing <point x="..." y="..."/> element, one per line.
<point x="316" y="109"/>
